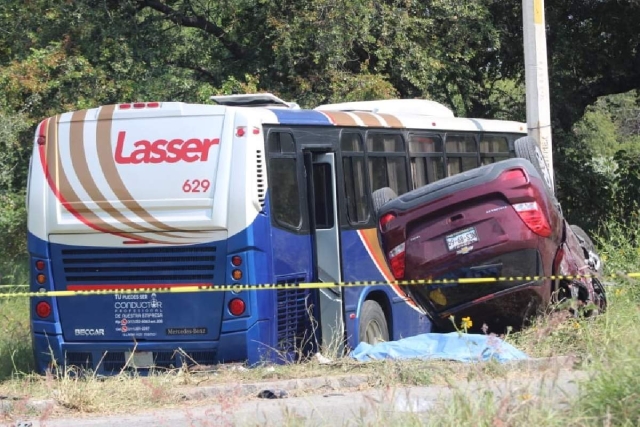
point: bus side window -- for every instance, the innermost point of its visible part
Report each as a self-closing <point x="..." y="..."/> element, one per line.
<point x="427" y="158"/>
<point x="355" y="186"/>
<point x="462" y="153"/>
<point x="283" y="181"/>
<point x="387" y="162"/>
<point x="493" y="148"/>
<point x="323" y="193"/>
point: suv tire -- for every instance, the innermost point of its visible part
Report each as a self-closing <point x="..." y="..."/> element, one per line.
<point x="527" y="148"/>
<point x="382" y="196"/>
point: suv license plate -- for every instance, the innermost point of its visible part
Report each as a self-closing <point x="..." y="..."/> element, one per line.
<point x="462" y="238"/>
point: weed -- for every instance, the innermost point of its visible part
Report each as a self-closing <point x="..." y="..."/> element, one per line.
<point x="15" y="340"/>
<point x="606" y="344"/>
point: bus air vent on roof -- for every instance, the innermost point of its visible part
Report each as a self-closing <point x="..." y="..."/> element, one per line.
<point x="422" y="107"/>
<point x="253" y="100"/>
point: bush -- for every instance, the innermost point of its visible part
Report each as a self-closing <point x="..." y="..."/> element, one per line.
<point x="14" y="158"/>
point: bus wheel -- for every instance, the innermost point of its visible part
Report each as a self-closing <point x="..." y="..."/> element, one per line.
<point x="373" y="324"/>
<point x="381" y="196"/>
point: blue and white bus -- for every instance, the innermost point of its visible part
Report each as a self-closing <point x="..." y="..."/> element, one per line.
<point x="252" y="190"/>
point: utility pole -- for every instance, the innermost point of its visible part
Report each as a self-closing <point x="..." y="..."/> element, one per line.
<point x="537" y="78"/>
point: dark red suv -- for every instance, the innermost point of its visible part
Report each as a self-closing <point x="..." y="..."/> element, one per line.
<point x="499" y="220"/>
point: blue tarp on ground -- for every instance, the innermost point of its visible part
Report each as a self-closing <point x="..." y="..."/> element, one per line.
<point x="452" y="346"/>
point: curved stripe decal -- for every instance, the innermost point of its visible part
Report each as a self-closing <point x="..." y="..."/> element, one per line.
<point x="391" y="120"/>
<point x="368" y="119"/>
<point x="105" y="157"/>
<point x="369" y="238"/>
<point x="341" y="118"/>
<point x="81" y="168"/>
<point x="61" y="187"/>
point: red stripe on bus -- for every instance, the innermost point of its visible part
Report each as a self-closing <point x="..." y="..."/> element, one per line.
<point x="131" y="286"/>
<point x="56" y="191"/>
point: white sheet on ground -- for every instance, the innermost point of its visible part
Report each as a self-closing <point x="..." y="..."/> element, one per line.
<point x="451" y="346"/>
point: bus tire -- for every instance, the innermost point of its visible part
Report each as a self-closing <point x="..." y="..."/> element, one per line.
<point x="373" y="323"/>
<point x="382" y="196"/>
<point x="527" y="148"/>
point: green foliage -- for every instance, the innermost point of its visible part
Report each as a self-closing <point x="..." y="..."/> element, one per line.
<point x="13" y="230"/>
<point x="16" y="355"/>
<point x="585" y="192"/>
<point x="14" y="153"/>
<point x="611" y="124"/>
<point x="597" y="166"/>
<point x="13" y="157"/>
<point x="63" y="56"/>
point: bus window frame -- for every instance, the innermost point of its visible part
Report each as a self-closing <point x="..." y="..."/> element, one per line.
<point x="460" y="155"/>
<point x="502" y="155"/>
<point x="315" y="138"/>
<point x="387" y="154"/>
<point x="346" y="220"/>
<point x="296" y="155"/>
<point x="426" y="155"/>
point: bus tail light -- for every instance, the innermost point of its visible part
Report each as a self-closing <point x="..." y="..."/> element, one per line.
<point x="237" y="307"/>
<point x="236" y="261"/>
<point x="41" y="139"/>
<point x="138" y="105"/>
<point x="43" y="309"/>
<point x="397" y="261"/>
<point x="533" y="217"/>
<point x="41" y="278"/>
<point x="40" y="265"/>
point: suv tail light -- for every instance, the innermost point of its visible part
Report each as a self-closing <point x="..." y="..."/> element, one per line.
<point x="396" y="260"/>
<point x="533" y="217"/>
<point x="386" y="219"/>
<point x="514" y="176"/>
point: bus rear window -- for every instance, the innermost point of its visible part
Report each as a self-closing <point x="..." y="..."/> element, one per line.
<point x="355" y="181"/>
<point x="493" y="148"/>
<point x="285" y="195"/>
<point x="382" y="142"/>
<point x="425" y="143"/>
<point x="281" y="142"/>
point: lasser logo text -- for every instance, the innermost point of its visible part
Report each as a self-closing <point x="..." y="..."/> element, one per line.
<point x="164" y="150"/>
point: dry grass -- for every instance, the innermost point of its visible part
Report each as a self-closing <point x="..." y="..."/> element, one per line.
<point x="605" y="347"/>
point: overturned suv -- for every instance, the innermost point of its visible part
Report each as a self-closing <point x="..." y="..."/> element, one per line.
<point x="500" y="221"/>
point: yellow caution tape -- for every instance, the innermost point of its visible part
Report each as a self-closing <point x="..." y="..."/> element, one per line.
<point x="314" y="285"/>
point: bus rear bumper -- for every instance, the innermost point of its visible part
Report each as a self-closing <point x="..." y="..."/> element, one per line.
<point x="108" y="357"/>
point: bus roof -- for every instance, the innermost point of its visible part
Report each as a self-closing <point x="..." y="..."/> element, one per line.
<point x="402" y="120"/>
<point x="422" y="107"/>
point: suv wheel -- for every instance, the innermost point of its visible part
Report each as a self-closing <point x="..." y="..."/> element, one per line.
<point x="381" y="197"/>
<point x="527" y="148"/>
